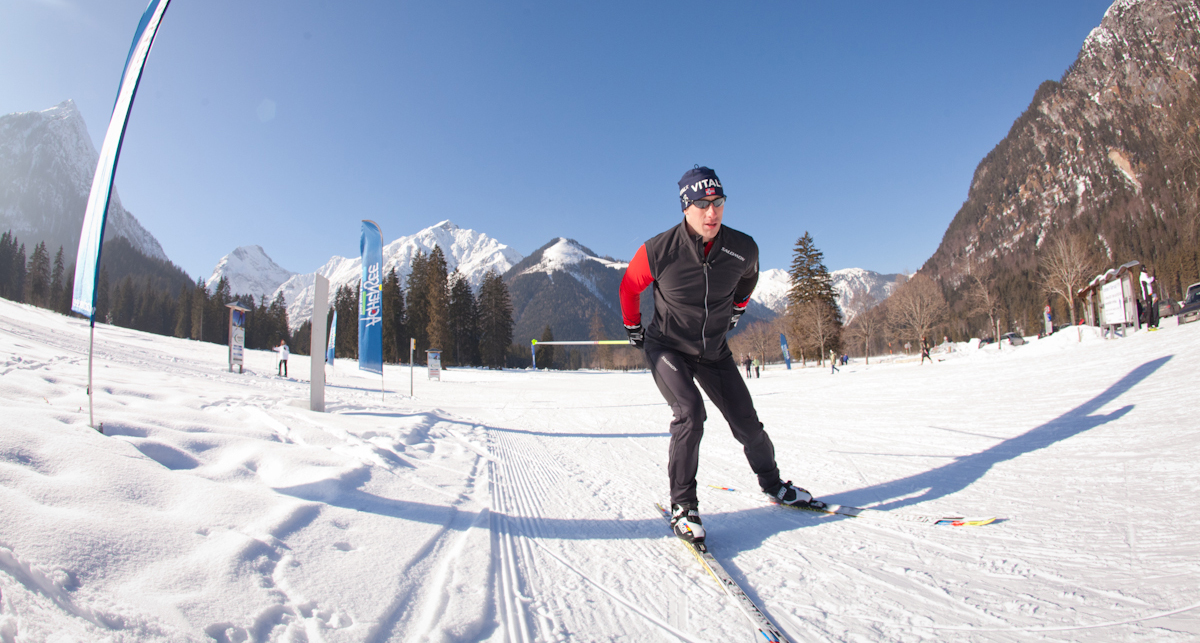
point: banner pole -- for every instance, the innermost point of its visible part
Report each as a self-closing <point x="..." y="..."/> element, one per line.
<point x="91" y="345"/>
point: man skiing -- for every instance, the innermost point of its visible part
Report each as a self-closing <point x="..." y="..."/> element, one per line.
<point x="703" y="274"/>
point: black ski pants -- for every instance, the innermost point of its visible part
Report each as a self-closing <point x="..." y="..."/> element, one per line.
<point x="676" y="376"/>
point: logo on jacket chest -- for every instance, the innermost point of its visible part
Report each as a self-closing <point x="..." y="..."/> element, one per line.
<point x="733" y="254"/>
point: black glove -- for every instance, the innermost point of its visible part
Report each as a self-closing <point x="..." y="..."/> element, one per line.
<point x="637" y="336"/>
<point x="737" y="314"/>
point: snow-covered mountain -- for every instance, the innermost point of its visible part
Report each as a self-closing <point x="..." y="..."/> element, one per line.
<point x="564" y="285"/>
<point x="773" y="286"/>
<point x="47" y="162"/>
<point x="473" y="253"/>
<point x="873" y="286"/>
<point x="570" y="257"/>
<point x="250" y="272"/>
<point x="561" y="285"/>
<point x="772" y="289"/>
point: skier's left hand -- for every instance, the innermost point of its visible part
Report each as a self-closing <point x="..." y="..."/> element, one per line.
<point x="737" y="314"/>
<point x="637" y="336"/>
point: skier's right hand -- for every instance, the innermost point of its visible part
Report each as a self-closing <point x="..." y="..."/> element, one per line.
<point x="637" y="336"/>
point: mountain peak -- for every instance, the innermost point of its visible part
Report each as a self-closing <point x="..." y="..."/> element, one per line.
<point x="249" y="271"/>
<point x="49" y="162"/>
<point x="472" y="253"/>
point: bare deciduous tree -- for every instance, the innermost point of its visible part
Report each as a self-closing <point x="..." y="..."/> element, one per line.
<point x="1065" y="268"/>
<point x="916" y="307"/>
<point x="983" y="299"/>
<point x="865" y="327"/>
<point x="860" y="302"/>
<point x="815" y="325"/>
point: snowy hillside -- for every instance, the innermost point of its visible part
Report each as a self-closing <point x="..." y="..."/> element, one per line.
<point x="568" y="256"/>
<point x="473" y="253"/>
<point x="874" y="286"/>
<point x="250" y="272"/>
<point x="565" y="255"/>
<point x="772" y="289"/>
<point x="773" y="286"/>
<point x="47" y="162"/>
<point x="518" y="506"/>
<point x="563" y="285"/>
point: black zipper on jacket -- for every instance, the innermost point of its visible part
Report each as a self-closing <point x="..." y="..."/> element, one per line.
<point x="704" y="326"/>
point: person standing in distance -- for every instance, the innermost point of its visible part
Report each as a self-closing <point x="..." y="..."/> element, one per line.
<point x="283" y="351"/>
<point x="703" y="274"/>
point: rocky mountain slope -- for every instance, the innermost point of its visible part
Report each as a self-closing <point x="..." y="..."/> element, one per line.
<point x="1108" y="152"/>
<point x="47" y="162"/>
<point x="871" y="286"/>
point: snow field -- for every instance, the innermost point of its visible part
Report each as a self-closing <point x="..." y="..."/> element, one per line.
<point x="518" y="506"/>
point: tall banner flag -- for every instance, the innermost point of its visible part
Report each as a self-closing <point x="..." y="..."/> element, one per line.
<point x="87" y="262"/>
<point x="332" y="338"/>
<point x="370" y="299"/>
<point x="787" y="357"/>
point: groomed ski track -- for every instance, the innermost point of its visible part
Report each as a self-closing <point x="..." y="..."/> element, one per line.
<point x="517" y="506"/>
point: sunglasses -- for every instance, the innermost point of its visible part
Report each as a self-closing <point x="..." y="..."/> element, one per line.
<point x="704" y="205"/>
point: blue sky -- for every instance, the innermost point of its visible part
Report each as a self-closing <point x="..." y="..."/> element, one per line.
<point x="283" y="123"/>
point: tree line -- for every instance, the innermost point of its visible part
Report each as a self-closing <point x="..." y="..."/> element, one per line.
<point x="987" y="304"/>
<point x="439" y="310"/>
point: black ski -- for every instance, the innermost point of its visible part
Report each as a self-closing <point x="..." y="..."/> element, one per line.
<point x="765" y="628"/>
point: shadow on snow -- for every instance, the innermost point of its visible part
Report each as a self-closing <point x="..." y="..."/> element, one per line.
<point x="744" y="528"/>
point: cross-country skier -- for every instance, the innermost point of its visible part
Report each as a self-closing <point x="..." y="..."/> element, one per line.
<point x="283" y="351"/>
<point x="703" y="274"/>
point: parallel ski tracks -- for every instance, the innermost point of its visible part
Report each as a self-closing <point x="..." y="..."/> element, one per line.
<point x="534" y="497"/>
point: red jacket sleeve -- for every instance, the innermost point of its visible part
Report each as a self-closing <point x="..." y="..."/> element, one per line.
<point x="637" y="278"/>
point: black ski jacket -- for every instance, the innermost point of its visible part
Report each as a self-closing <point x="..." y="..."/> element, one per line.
<point x="694" y="295"/>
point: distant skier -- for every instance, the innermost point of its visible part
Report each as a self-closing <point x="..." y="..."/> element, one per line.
<point x="925" y="351"/>
<point x="833" y="359"/>
<point x="746" y="361"/>
<point x="703" y="275"/>
<point x="757" y="365"/>
<point x="283" y="351"/>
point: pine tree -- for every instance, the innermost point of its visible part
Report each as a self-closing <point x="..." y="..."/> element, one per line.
<point x="495" y="321"/>
<point x="8" y="249"/>
<point x="812" y="300"/>
<point x="437" y="330"/>
<point x="417" y="317"/>
<point x="124" y="303"/>
<point x="276" y="322"/>
<point x="183" y="313"/>
<point x="199" y="306"/>
<point x="464" y="321"/>
<point x="216" y="317"/>
<point x="64" y="301"/>
<point x="56" y="283"/>
<point x="18" y="277"/>
<point x="345" y="302"/>
<point x="395" y="345"/>
<point x="37" y="282"/>
<point x="103" y="297"/>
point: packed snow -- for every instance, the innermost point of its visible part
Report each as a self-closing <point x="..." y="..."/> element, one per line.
<point x="519" y="505"/>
